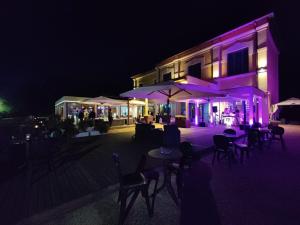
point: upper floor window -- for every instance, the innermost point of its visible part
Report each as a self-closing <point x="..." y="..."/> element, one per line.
<point x="195" y="70"/>
<point x="167" y="76"/>
<point x="237" y="62"/>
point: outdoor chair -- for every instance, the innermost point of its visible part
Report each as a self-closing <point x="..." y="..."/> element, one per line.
<point x="184" y="163"/>
<point x="132" y="185"/>
<point x="171" y="136"/>
<point x="222" y="146"/>
<point x="277" y="134"/>
<point x="253" y="140"/>
<point x="143" y="131"/>
<point x="256" y="125"/>
<point x="230" y="131"/>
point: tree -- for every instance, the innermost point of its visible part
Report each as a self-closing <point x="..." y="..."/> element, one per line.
<point x="5" y="108"/>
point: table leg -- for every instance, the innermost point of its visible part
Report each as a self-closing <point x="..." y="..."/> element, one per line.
<point x="167" y="182"/>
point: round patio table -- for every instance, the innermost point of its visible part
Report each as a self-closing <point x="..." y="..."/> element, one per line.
<point x="166" y="158"/>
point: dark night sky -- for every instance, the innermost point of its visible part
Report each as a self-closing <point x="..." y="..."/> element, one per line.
<point x="53" y="48"/>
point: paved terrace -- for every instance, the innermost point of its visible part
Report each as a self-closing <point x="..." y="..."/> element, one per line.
<point x="264" y="190"/>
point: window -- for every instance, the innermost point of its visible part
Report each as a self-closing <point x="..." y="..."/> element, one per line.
<point x="237" y="62"/>
<point x="140" y="85"/>
<point x="167" y="76"/>
<point x="195" y="70"/>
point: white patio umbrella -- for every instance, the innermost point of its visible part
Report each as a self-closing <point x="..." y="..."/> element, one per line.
<point x="105" y="101"/>
<point x="172" y="90"/>
<point x="290" y="101"/>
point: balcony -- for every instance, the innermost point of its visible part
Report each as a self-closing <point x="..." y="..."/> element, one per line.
<point x="247" y="79"/>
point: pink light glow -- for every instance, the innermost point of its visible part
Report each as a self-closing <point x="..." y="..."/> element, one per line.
<point x="260" y="120"/>
<point x="251" y="122"/>
<point x="197" y="111"/>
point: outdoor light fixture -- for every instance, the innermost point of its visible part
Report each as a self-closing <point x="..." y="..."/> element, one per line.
<point x="251" y="122"/>
<point x="27" y="137"/>
<point x="262" y="69"/>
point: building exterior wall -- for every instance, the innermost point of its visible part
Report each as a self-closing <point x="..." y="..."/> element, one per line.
<point x="262" y="63"/>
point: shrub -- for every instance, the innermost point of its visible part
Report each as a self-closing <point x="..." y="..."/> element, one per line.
<point x="101" y="126"/>
<point x="68" y="126"/>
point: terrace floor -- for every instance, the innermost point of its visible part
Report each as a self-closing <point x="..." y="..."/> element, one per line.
<point x="264" y="190"/>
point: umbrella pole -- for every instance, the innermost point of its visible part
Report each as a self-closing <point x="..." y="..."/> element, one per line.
<point x="168" y="107"/>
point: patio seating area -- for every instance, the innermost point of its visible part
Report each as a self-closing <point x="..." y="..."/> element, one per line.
<point x="212" y="194"/>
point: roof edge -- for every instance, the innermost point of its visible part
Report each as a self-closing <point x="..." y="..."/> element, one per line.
<point x="241" y="29"/>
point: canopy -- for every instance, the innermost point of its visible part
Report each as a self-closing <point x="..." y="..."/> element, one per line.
<point x="106" y="101"/>
<point x="172" y="91"/>
<point x="290" y="101"/>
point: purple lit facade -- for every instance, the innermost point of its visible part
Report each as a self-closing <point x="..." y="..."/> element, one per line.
<point x="242" y="63"/>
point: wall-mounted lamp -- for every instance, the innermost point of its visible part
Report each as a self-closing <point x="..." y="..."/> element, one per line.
<point x="262" y="69"/>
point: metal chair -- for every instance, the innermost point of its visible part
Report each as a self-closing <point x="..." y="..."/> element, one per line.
<point x="184" y="163"/>
<point x="222" y="146"/>
<point x="277" y="134"/>
<point x="229" y="131"/>
<point x="132" y="184"/>
<point x="253" y="140"/>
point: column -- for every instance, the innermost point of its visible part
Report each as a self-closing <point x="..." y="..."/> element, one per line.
<point x="95" y="110"/>
<point x="187" y="110"/>
<point x="210" y="111"/>
<point x="65" y="110"/>
<point x="197" y="112"/>
<point x="146" y="107"/>
<point x="128" y="112"/>
<point x="250" y="101"/>
<point x="260" y="113"/>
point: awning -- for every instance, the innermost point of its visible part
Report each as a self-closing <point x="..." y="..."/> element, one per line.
<point x="290" y="101"/>
<point x="102" y="100"/>
<point x="172" y="91"/>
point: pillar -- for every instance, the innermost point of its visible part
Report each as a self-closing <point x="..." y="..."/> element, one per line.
<point x="210" y="111"/>
<point x="146" y="107"/>
<point x="65" y="110"/>
<point x="128" y="111"/>
<point x="187" y="110"/>
<point x="197" y="112"/>
<point x="260" y="112"/>
<point x="250" y="101"/>
<point x="95" y="110"/>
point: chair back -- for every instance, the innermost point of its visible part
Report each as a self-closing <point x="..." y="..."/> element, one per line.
<point x="221" y="142"/>
<point x="256" y="125"/>
<point x="253" y="137"/>
<point x="171" y="136"/>
<point x="187" y="153"/>
<point x="229" y="131"/>
<point x="143" y="131"/>
<point x="277" y="130"/>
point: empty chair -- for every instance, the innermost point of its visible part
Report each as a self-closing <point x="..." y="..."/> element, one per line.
<point x="230" y="131"/>
<point x="256" y="125"/>
<point x="171" y="136"/>
<point x="132" y="185"/>
<point x="277" y="134"/>
<point x="184" y="163"/>
<point x="222" y="147"/>
<point x="253" y="140"/>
